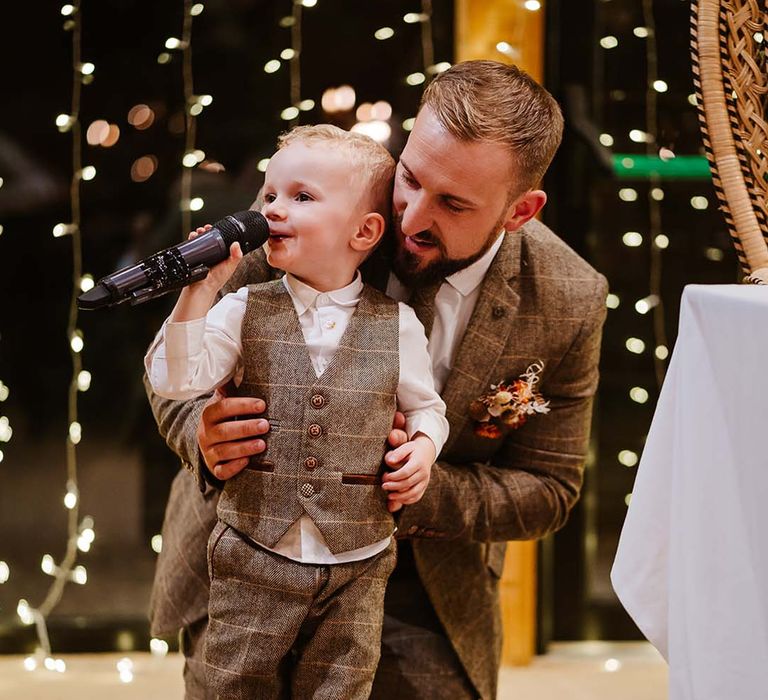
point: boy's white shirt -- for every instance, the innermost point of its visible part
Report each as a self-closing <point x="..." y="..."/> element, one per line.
<point x="190" y="358"/>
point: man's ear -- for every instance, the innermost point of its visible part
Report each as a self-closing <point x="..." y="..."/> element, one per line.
<point x="524" y="208"/>
<point x="369" y="233"/>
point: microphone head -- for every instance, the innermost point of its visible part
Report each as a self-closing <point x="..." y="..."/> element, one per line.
<point x="249" y="228"/>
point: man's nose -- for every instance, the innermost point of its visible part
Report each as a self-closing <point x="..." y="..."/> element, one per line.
<point x="417" y="215"/>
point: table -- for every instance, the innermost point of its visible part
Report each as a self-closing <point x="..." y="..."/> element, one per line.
<point x="692" y="562"/>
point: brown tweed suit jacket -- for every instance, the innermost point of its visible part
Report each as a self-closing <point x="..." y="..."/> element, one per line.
<point x="539" y="301"/>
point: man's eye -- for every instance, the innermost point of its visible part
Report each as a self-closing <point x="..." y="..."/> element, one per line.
<point x="407" y="179"/>
<point x="454" y="208"/>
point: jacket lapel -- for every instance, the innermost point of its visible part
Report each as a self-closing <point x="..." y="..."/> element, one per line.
<point x="486" y="336"/>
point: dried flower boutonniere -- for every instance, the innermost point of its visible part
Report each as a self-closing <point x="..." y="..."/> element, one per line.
<point x="509" y="404"/>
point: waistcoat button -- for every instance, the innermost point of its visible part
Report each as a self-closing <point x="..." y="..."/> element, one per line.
<point x="307" y="490"/>
<point x="310" y="462"/>
<point x="315" y="430"/>
<point x="317" y="401"/>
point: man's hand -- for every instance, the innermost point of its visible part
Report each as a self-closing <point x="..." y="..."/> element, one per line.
<point x="407" y="483"/>
<point x="226" y="442"/>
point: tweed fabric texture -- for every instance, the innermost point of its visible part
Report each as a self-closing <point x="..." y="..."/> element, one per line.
<point x="417" y="659"/>
<point x="191" y="643"/>
<point x="328" y="434"/>
<point x="278" y="625"/>
<point x="179" y="595"/>
<point x="423" y="303"/>
<point x="539" y="300"/>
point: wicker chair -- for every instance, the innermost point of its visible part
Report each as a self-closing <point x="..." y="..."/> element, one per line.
<point x="729" y="65"/>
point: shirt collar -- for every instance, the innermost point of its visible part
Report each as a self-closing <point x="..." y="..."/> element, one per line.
<point x="305" y="297"/>
<point x="467" y="280"/>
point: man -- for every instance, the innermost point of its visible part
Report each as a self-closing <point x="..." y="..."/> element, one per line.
<point x="497" y="292"/>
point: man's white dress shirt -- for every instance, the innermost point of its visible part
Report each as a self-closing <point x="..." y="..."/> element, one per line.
<point x="454" y="304"/>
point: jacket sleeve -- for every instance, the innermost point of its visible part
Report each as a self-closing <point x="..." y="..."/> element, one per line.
<point x="529" y="487"/>
<point x="177" y="421"/>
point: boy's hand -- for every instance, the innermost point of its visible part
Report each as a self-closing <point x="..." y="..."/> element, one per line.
<point x="407" y="483"/>
<point x="221" y="272"/>
<point x="196" y="299"/>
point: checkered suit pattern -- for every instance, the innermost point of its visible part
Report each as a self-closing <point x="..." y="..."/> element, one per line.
<point x="279" y="627"/>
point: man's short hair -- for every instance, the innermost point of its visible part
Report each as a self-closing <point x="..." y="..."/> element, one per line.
<point x="492" y="101"/>
<point x="375" y="165"/>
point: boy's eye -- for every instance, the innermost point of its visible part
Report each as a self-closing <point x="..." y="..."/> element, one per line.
<point x="407" y="179"/>
<point x="303" y="197"/>
<point x="269" y="198"/>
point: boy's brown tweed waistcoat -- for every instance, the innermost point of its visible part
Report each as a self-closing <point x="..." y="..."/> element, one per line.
<point x="328" y="434"/>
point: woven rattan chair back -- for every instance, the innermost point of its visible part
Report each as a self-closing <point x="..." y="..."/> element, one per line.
<point x="728" y="47"/>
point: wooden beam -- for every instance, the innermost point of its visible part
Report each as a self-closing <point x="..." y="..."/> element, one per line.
<point x="483" y="25"/>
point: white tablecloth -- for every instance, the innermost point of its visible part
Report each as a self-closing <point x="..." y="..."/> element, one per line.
<point x="692" y="563"/>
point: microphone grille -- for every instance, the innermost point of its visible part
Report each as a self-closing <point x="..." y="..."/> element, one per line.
<point x="249" y="228"/>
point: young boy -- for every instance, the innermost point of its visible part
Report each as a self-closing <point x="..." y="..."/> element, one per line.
<point x="301" y="554"/>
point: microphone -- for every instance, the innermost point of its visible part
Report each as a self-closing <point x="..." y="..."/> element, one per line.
<point x="179" y="265"/>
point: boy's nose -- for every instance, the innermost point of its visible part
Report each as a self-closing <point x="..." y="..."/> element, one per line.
<point x="273" y="211"/>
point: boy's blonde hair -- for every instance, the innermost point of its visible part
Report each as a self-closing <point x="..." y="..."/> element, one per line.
<point x="491" y="101"/>
<point x="376" y="165"/>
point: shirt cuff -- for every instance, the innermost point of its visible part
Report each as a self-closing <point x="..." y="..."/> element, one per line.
<point x="434" y="426"/>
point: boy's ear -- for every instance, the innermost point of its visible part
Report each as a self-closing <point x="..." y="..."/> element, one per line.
<point x="369" y="233"/>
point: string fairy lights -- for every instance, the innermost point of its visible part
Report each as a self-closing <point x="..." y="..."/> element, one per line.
<point x="292" y="113"/>
<point x="292" y="54"/>
<point x="373" y="118"/>
<point x="80" y="534"/>
<point x="142" y="116"/>
<point x="429" y="68"/>
<point x="192" y="108"/>
<point x="6" y="432"/>
<point x="654" y="85"/>
<point x="652" y="303"/>
<point x="427" y="43"/>
<point x="657" y="162"/>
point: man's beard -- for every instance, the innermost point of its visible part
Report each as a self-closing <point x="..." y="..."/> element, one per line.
<point x="405" y="264"/>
